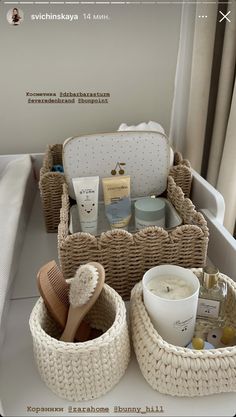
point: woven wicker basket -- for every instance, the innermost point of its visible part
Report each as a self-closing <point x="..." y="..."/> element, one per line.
<point x="127" y="256"/>
<point x="82" y="371"/>
<point x="180" y="371"/>
<point x="50" y="185"/>
<point x="181" y="173"/>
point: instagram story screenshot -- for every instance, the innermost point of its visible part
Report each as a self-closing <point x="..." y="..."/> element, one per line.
<point x="118" y="208"/>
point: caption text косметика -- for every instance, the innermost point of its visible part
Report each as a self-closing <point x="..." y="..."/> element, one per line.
<point x="67" y="97"/>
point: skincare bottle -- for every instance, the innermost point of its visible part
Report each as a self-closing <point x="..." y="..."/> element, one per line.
<point x="212" y="297"/>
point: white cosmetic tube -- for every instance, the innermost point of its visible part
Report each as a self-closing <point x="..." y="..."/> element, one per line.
<point x="86" y="192"/>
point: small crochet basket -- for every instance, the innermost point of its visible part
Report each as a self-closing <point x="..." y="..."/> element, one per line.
<point x="181" y="371"/>
<point x="83" y="371"/>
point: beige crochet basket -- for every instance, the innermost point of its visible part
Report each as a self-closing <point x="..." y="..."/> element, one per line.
<point x="127" y="256"/>
<point x="50" y="185"/>
<point x="180" y="371"/>
<point x="83" y="371"/>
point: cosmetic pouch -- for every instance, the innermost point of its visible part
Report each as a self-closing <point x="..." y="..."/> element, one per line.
<point x="145" y="156"/>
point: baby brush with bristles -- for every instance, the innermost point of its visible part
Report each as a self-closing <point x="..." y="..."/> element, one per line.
<point x="85" y="289"/>
<point x="54" y="290"/>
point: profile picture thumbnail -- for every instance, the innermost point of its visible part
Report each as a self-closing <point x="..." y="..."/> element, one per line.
<point x="15" y="16"/>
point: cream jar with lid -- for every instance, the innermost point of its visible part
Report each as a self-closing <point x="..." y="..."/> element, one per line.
<point x="149" y="212"/>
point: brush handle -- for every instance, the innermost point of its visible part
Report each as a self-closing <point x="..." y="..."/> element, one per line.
<point x="83" y="332"/>
<point x="76" y="314"/>
<point x="74" y="319"/>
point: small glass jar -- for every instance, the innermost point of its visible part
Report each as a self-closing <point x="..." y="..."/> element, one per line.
<point x="149" y="212"/>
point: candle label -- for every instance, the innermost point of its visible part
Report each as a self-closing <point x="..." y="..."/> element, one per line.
<point x="208" y="308"/>
<point x="183" y="325"/>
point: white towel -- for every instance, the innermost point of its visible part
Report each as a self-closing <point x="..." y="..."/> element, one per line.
<point x="152" y="126"/>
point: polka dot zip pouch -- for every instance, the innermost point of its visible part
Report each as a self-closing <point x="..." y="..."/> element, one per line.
<point x="145" y="156"/>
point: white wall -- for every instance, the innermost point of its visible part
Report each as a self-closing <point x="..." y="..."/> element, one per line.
<point x="132" y="56"/>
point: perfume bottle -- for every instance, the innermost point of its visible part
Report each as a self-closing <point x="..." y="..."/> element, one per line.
<point x="212" y="297"/>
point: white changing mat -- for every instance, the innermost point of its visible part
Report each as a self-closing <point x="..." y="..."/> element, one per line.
<point x="14" y="180"/>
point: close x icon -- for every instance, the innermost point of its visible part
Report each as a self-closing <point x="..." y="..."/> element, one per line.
<point x="224" y="16"/>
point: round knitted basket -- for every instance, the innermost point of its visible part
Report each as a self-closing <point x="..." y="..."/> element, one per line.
<point x="181" y="371"/>
<point x="82" y="371"/>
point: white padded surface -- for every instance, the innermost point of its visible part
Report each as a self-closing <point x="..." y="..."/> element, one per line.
<point x="13" y="183"/>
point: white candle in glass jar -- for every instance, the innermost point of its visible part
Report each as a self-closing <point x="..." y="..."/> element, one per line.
<point x="170" y="287"/>
<point x="170" y="295"/>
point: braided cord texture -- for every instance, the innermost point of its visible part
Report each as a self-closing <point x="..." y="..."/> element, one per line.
<point x="180" y="371"/>
<point x="83" y="371"/>
<point x="125" y="256"/>
<point x="50" y="185"/>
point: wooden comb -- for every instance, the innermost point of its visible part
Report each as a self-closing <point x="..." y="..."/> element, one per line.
<point x="54" y="290"/>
